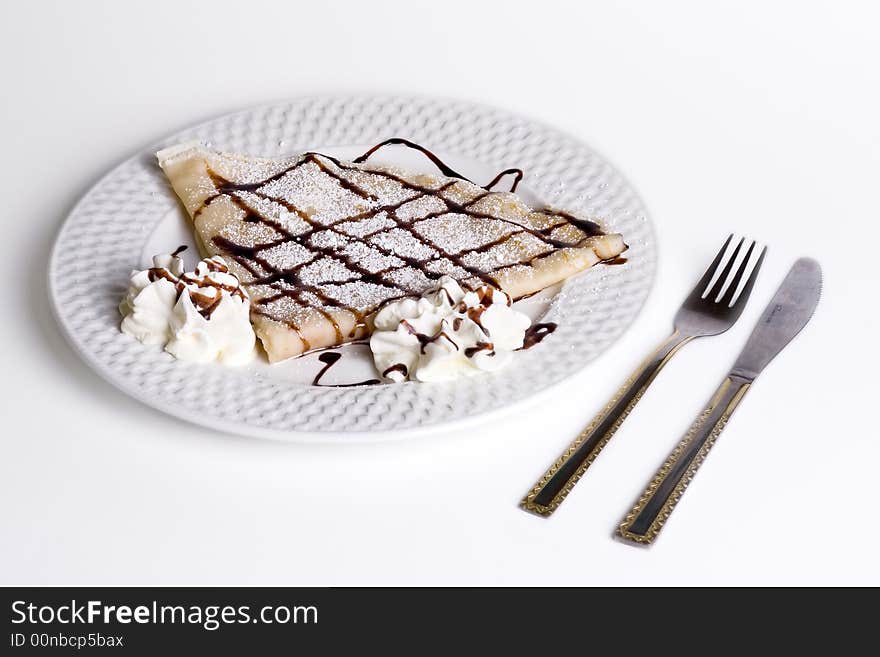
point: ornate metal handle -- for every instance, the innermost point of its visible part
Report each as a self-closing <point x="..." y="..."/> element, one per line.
<point x="550" y="491"/>
<point x="644" y="522"/>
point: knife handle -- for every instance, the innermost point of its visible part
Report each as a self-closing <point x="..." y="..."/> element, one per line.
<point x="644" y="522"/>
<point x="557" y="482"/>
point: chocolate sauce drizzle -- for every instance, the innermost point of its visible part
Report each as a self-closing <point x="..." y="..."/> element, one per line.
<point x="537" y="332"/>
<point x="204" y="304"/>
<point x="399" y="367"/>
<point x="440" y="164"/>
<point x="442" y="167"/>
<point x="517" y="177"/>
<point x="330" y="358"/>
<point x="288" y="282"/>
<point x="470" y="352"/>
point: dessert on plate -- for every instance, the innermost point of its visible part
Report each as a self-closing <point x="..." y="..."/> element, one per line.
<point x="200" y="315"/>
<point x="321" y="244"/>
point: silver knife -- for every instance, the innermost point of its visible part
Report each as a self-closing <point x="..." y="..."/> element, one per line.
<point x="788" y="312"/>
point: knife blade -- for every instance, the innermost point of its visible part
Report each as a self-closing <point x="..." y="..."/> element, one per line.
<point x="787" y="313"/>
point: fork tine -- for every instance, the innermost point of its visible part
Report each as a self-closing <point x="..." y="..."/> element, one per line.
<point x="747" y="289"/>
<point x="734" y="284"/>
<point x="719" y="284"/>
<point x="703" y="283"/>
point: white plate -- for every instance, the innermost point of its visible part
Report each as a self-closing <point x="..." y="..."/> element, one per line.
<point x="132" y="213"/>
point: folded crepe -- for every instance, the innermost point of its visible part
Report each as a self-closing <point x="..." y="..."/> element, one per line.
<point x="321" y="243"/>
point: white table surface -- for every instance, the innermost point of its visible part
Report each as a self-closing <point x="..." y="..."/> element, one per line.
<point x="762" y="120"/>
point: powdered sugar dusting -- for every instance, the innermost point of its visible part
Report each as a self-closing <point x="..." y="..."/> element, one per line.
<point x="404" y="244"/>
<point x="410" y="279"/>
<point x="316" y="193"/>
<point x="371" y="259"/>
<point x="461" y="192"/>
<point x="326" y="270"/>
<point x="420" y="207"/>
<point x="248" y="169"/>
<point x="368" y="226"/>
<point x="442" y="266"/>
<point x="328" y="239"/>
<point x="520" y="247"/>
<point x="460" y="232"/>
<point x="288" y="309"/>
<point x="361" y="294"/>
<point x="287" y="255"/>
<point x="386" y="191"/>
<point x="248" y="234"/>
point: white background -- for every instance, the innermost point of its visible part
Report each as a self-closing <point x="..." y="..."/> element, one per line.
<point x="760" y="118"/>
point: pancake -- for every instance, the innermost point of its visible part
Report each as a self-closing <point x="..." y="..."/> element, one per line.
<point x="321" y="243"/>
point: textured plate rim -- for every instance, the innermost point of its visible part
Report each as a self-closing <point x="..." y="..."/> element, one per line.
<point x="244" y="428"/>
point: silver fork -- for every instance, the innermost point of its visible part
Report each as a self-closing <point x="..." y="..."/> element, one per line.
<point x="703" y="313"/>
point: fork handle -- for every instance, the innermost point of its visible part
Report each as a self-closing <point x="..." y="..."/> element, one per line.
<point x="644" y="522"/>
<point x="557" y="482"/>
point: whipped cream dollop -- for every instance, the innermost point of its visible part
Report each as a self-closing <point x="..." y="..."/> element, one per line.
<point x="200" y="315"/>
<point x="450" y="331"/>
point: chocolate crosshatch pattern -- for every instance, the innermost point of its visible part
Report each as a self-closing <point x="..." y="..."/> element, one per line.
<point x="397" y="237"/>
